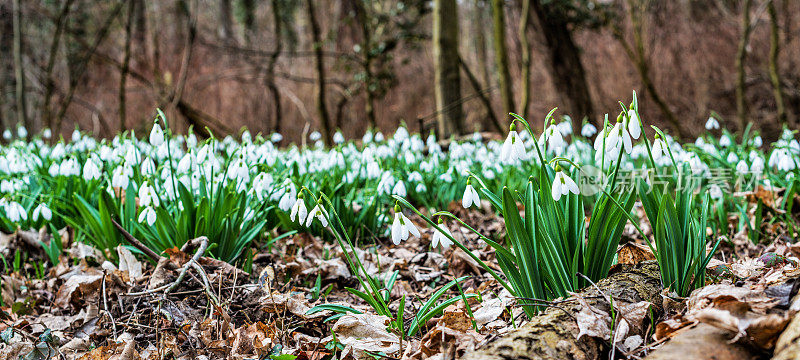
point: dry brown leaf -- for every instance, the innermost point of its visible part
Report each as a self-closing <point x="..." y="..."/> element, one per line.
<point x="129" y="263"/>
<point x="489" y="311"/>
<point x="592" y="321"/>
<point x="632" y="253"/>
<point x="362" y="333"/>
<point x="76" y="287"/>
<point x="704" y="297"/>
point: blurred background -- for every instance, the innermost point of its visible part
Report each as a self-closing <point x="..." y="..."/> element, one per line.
<point x="453" y="66"/>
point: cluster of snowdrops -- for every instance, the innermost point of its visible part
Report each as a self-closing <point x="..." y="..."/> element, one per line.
<point x="168" y="188"/>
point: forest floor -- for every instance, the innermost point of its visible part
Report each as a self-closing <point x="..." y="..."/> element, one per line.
<point x="189" y="306"/>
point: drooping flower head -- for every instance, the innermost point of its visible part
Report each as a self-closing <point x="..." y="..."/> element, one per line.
<point x="513" y="148"/>
<point x="402" y="227"/>
<point x="563" y="184"/>
<point x="442" y="237"/>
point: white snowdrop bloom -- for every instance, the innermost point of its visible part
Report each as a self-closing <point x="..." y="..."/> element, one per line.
<point x="400" y="134"/>
<point x="58" y="151"/>
<point x="42" y="212"/>
<point x="715" y="191"/>
<point x="148" y="167"/>
<point x="712" y="123"/>
<point x="588" y="130"/>
<point x="76" y="135"/>
<point x="732" y="158"/>
<point x="379" y="137"/>
<point x="315" y="136"/>
<point x="71" y="167"/>
<point x="757" y="165"/>
<point x="399" y="189"/>
<point x="7" y="134"/>
<point x="441" y="237"/>
<point x="54" y="170"/>
<point x="319" y="213"/>
<point x="565" y="128"/>
<point x="632" y="124"/>
<point x="299" y="211"/>
<point x="563" y="185"/>
<point x="191" y="141"/>
<point x="120" y="178"/>
<point x="15" y="212"/>
<point x="148" y="196"/>
<point x="287" y="201"/>
<point x="156" y="135"/>
<point x="338" y="138"/>
<point x="367" y="138"/>
<point x="147" y="216"/>
<point x="470" y="197"/>
<point x="757" y="141"/>
<point x="512" y="149"/>
<point x="741" y="167"/>
<point x="477" y="137"/>
<point x="659" y="149"/>
<point x="415" y="176"/>
<point x="725" y="141"/>
<point x="402" y="227"/>
<point x="185" y="164"/>
<point x="421" y="188"/>
<point x="22" y="132"/>
<point x="555" y="141"/>
<point x="47" y="133"/>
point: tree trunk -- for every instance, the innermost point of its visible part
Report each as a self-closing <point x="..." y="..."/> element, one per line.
<point x="126" y="60"/>
<point x="480" y="43"/>
<point x="226" y="21"/>
<point x="563" y="59"/>
<point x="446" y="73"/>
<point x="322" y="108"/>
<point x="19" y="73"/>
<point x="774" y="73"/>
<point x="482" y="95"/>
<point x="49" y="86"/>
<point x="366" y="48"/>
<point x="553" y="333"/>
<point x="248" y="19"/>
<point x="273" y="88"/>
<point x="741" y="56"/>
<point x="501" y="54"/>
<point x="525" y="19"/>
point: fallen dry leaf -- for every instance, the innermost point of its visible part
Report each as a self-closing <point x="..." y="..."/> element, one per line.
<point x="632" y="253"/>
<point x="129" y="263"/>
<point x="76" y="289"/>
<point x="362" y="333"/>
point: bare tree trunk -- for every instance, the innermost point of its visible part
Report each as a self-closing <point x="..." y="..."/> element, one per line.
<point x="126" y="60"/>
<point x="320" y="66"/>
<point x="476" y="85"/>
<point x="741" y="56"/>
<point x="226" y="21"/>
<point x="83" y="63"/>
<point x="563" y="59"/>
<point x="774" y="74"/>
<point x="49" y="86"/>
<point x="480" y="42"/>
<point x="501" y="54"/>
<point x="273" y="88"/>
<point x="366" y="34"/>
<point x="525" y="19"/>
<point x="637" y="56"/>
<point x="248" y="19"/>
<point x="445" y="62"/>
<point x="19" y="73"/>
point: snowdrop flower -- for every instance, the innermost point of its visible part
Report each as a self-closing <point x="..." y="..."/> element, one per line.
<point x="379" y="137"/>
<point x="22" y="132"/>
<point x="148" y="196"/>
<point x="76" y="135"/>
<point x="120" y="178"/>
<point x="565" y="128"/>
<point x="299" y="211"/>
<point x="757" y="141"/>
<point x="659" y="148"/>
<point x="148" y="167"/>
<point x="421" y="188"/>
<point x="712" y="123"/>
<point x="15" y="212"/>
<point x="47" y="133"/>
<point x="148" y="216"/>
<point x="555" y="141"/>
<point x="70" y="168"/>
<point x="757" y="166"/>
<point x="725" y="141"/>
<point x="399" y="189"/>
<point x="512" y="149"/>
<point x="470" y="197"/>
<point x="319" y="213"/>
<point x="91" y="171"/>
<point x="402" y="227"/>
<point x="367" y="138"/>
<point x="633" y="124"/>
<point x="715" y="192"/>
<point x="315" y="136"/>
<point x="741" y="167"/>
<point x="156" y="135"/>
<point x="442" y="237"/>
<point x="732" y="158"/>
<point x="43" y="212"/>
<point x="563" y="185"/>
<point x="588" y="130"/>
<point x="338" y="138"/>
<point x="7" y="134"/>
